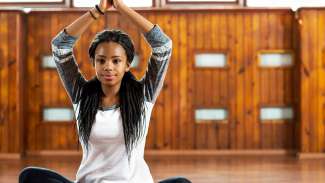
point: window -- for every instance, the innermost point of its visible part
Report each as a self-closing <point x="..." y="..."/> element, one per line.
<point x="275" y="59"/>
<point x="294" y="4"/>
<point x="215" y="60"/>
<point x="210" y="114"/>
<point x="58" y="114"/>
<point x="276" y="113"/>
<point x="209" y="2"/>
<point x="202" y="1"/>
<point x="135" y="62"/>
<point x="30" y="1"/>
<point x="33" y="3"/>
<point x="131" y="3"/>
<point x="48" y="62"/>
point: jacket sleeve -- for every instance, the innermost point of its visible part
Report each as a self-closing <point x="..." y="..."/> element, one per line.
<point x="67" y="67"/>
<point x="154" y="76"/>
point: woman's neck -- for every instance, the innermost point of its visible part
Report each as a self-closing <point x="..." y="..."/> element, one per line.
<point x="111" y="95"/>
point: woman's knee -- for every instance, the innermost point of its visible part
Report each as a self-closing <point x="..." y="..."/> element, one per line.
<point x="25" y="173"/>
<point x="40" y="175"/>
<point x="176" y="180"/>
<point x="182" y="180"/>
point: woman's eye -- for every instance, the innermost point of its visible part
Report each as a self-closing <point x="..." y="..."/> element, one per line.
<point x="101" y="61"/>
<point x="116" y="61"/>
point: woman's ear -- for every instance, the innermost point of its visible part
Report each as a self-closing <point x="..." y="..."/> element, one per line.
<point x="128" y="66"/>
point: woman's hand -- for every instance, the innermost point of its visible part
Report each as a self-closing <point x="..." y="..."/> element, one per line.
<point x="140" y="21"/>
<point x="104" y="5"/>
<point x="117" y="3"/>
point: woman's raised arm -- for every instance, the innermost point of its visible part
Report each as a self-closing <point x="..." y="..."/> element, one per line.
<point x="133" y="16"/>
<point x="62" y="50"/>
<point x="79" y="26"/>
<point x="161" y="46"/>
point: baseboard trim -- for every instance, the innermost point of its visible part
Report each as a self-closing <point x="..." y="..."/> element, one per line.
<point x="54" y="153"/>
<point x="179" y="153"/>
<point x="219" y="152"/>
<point x="10" y="156"/>
<point x="311" y="155"/>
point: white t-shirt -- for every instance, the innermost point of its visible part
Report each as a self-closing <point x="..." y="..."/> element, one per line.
<point x="106" y="160"/>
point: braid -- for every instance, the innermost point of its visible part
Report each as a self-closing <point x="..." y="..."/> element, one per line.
<point x="131" y="96"/>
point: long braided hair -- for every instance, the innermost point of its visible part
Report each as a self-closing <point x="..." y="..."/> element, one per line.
<point x="131" y="95"/>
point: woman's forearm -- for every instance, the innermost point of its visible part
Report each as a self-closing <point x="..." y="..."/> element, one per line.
<point x="141" y="22"/>
<point x="80" y="25"/>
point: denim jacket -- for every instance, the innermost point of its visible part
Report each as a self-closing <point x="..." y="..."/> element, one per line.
<point x="72" y="79"/>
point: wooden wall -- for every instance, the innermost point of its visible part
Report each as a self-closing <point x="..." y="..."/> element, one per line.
<point x="312" y="74"/>
<point x="11" y="83"/>
<point x="242" y="88"/>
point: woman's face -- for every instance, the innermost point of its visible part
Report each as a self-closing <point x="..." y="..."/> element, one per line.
<point x="110" y="63"/>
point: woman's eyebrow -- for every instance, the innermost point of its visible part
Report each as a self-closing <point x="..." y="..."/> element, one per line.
<point x="113" y="56"/>
<point x="101" y="56"/>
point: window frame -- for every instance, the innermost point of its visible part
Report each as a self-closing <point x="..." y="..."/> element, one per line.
<point x="203" y="2"/>
<point x="277" y="7"/>
<point x="63" y="3"/>
<point x="153" y="4"/>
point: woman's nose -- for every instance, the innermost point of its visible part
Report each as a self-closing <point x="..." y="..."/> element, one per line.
<point x="108" y="66"/>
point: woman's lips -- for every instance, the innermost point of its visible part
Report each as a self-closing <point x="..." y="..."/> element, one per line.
<point x="108" y="77"/>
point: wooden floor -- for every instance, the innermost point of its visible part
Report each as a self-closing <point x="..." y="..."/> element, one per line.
<point x="245" y="169"/>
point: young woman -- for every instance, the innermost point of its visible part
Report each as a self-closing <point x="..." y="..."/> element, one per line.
<point x="112" y="109"/>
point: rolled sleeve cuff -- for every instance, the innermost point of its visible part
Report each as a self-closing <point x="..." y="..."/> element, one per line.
<point x="64" y="41"/>
<point x="156" y="37"/>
